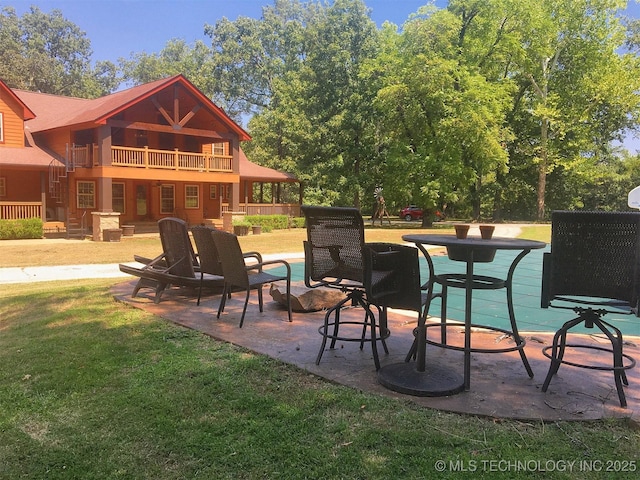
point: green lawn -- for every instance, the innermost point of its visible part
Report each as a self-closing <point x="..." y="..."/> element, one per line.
<point x="30" y="253"/>
<point x="92" y="388"/>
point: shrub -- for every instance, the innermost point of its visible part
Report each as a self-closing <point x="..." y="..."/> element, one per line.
<point x="273" y="222"/>
<point x="297" y="222"/>
<point x="18" y="229"/>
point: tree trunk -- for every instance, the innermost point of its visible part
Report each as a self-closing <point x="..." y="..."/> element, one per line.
<point x="542" y="168"/>
<point x="498" y="198"/>
<point x="475" y="198"/>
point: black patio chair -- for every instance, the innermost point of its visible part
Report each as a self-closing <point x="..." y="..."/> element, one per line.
<point x="334" y="252"/>
<point x="593" y="269"/>
<point x="237" y="274"/>
<point x="176" y="265"/>
<point x="208" y="257"/>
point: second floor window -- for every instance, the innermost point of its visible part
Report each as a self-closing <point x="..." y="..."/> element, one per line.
<point x="220" y="149"/>
<point x="86" y="194"/>
<point x="1" y="127"/>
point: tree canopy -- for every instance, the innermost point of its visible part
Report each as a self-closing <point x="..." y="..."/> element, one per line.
<point x="486" y="108"/>
<point x="48" y="53"/>
<point x="489" y="108"/>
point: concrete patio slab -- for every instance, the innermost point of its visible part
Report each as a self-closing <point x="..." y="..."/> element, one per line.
<point x="500" y="386"/>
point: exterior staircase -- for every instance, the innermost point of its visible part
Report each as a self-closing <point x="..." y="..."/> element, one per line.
<point x="76" y="227"/>
<point x="59" y="191"/>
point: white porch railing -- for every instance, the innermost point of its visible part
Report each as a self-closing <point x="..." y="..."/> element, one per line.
<point x="289" y="209"/>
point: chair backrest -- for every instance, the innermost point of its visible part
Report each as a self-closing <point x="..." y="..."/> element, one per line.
<point x="392" y="276"/>
<point x="207" y="252"/>
<point x="233" y="265"/>
<point x="177" y="246"/>
<point x="333" y="249"/>
<point x="593" y="254"/>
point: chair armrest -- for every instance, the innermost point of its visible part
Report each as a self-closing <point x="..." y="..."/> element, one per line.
<point x="158" y="263"/>
<point x="146" y="260"/>
<point x="259" y="266"/>
<point x="311" y="282"/>
<point x="256" y="255"/>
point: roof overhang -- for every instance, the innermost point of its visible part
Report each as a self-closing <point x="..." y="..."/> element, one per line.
<point x="27" y="114"/>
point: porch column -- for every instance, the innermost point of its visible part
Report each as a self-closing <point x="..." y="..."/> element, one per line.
<point x="104" y="198"/>
<point x="43" y="196"/>
<point x="104" y="146"/>
<point x="234" y="198"/>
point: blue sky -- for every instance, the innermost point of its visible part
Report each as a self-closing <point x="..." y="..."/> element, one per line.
<point x="118" y="28"/>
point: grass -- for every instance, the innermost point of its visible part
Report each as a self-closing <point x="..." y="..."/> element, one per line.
<point x="29" y="253"/>
<point x="92" y="388"/>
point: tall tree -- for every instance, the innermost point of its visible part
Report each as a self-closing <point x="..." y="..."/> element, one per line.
<point x="319" y="120"/>
<point x="249" y="54"/>
<point x="577" y="91"/>
<point x="194" y="62"/>
<point x="444" y="116"/>
<point x="341" y="42"/>
<point x="48" y="53"/>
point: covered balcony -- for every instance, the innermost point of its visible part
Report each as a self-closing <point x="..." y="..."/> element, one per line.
<point x="149" y="158"/>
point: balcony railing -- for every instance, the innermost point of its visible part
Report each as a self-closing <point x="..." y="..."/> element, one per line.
<point x="86" y="156"/>
<point x="169" y="159"/>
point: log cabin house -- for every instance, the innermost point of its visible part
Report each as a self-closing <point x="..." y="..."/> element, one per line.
<point x="132" y="157"/>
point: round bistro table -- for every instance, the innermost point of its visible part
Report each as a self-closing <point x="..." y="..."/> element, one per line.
<point x="418" y="378"/>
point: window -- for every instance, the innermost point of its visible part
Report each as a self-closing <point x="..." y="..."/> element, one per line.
<point x="224" y="192"/>
<point x="141" y="139"/>
<point x="1" y="127"/>
<point x="3" y="186"/>
<point x="192" y="196"/>
<point x="219" y="148"/>
<point x="86" y="196"/>
<point x="213" y="192"/>
<point x="167" y="199"/>
<point x="117" y="197"/>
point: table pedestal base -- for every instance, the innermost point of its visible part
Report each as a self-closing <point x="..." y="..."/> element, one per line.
<point x="435" y="381"/>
